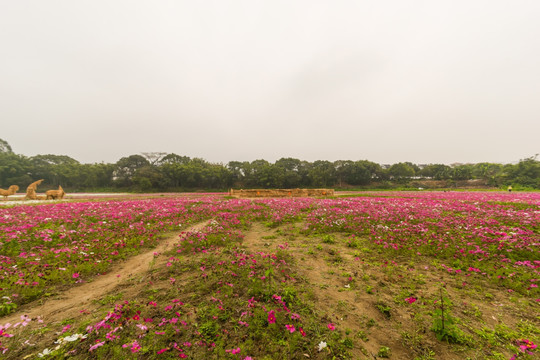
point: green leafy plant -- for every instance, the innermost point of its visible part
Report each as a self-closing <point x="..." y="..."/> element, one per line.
<point x="7" y="307"/>
<point x="384" y="352"/>
<point x="384" y="309"/>
<point x="444" y="324"/>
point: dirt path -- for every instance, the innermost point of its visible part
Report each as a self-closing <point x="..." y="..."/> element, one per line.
<point x="82" y="298"/>
<point x="347" y="309"/>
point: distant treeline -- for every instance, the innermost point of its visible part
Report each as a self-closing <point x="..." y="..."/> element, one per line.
<point x="171" y="172"/>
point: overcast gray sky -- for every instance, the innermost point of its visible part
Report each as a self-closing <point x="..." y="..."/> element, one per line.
<point x="387" y="81"/>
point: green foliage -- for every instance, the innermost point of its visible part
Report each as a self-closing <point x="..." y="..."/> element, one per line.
<point x="401" y="172"/>
<point x="444" y="324"/>
<point x="155" y="172"/>
<point x="328" y="239"/>
<point x="384" y="309"/>
<point x="384" y="352"/>
<point x="5" y="147"/>
<point x="7" y="307"/>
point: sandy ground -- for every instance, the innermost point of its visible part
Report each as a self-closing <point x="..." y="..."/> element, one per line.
<point x="18" y="199"/>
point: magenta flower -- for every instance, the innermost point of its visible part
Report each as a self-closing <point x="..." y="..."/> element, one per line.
<point x="271" y="317"/>
<point x="66" y="328"/>
<point x="331" y="326"/>
<point x="411" y="299"/>
<point x="527" y="345"/>
<point x="135" y="347"/>
<point x="290" y="328"/>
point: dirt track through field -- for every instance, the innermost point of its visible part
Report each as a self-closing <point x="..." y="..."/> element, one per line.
<point x="81" y="298"/>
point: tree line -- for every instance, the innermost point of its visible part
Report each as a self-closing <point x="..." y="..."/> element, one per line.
<point x="172" y="172"/>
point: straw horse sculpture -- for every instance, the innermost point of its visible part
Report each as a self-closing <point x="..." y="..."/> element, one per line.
<point x="31" y="190"/>
<point x="55" y="194"/>
<point x="10" y="191"/>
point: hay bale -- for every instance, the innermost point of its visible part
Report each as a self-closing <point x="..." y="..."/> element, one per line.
<point x="275" y="193"/>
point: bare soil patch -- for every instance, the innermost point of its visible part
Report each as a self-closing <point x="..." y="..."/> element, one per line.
<point x="363" y="293"/>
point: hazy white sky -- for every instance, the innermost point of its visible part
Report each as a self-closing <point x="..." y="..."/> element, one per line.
<point x="387" y="81"/>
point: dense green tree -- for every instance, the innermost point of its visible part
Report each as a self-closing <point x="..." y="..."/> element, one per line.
<point x="322" y="173"/>
<point x="376" y="170"/>
<point x="489" y="172"/>
<point x="525" y="173"/>
<point x="238" y="169"/>
<point x="462" y="172"/>
<point x="174" y="159"/>
<point x="102" y="175"/>
<point x="160" y="172"/>
<point x="342" y="168"/>
<point x="171" y="173"/>
<point x="126" y="168"/>
<point x="401" y="172"/>
<point x="352" y="172"/>
<point x="262" y="175"/>
<point x="50" y="168"/>
<point x="148" y="177"/>
<point x="415" y="167"/>
<point x="5" y="147"/>
<point x="437" y="171"/>
<point x="14" y="170"/>
<point x="288" y="173"/>
<point x="217" y="177"/>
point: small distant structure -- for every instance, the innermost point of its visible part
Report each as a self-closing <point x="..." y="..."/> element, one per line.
<point x="31" y="190"/>
<point x="10" y="191"/>
<point x="271" y="193"/>
<point x="55" y="194"/>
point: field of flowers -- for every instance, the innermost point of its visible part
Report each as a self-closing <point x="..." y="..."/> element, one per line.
<point x="405" y="275"/>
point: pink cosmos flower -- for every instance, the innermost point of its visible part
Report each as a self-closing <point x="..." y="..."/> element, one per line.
<point x="5" y="334"/>
<point x="290" y="328"/>
<point x="135" y="347"/>
<point x="66" y="328"/>
<point x="96" y="345"/>
<point x="271" y="317"/>
<point x="411" y="299"/>
<point x="331" y="326"/>
<point x="526" y="345"/>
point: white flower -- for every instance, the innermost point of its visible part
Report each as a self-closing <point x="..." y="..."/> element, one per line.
<point x="347" y="286"/>
<point x="45" y="352"/>
<point x="322" y="345"/>
<point x="71" y="337"/>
